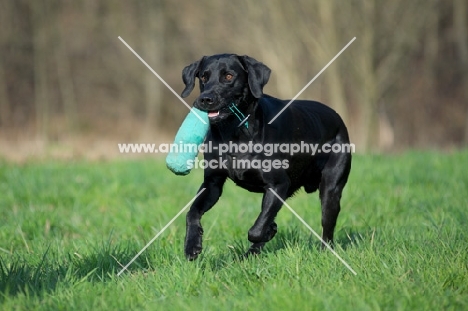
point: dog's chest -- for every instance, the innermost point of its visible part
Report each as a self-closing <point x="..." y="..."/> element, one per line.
<point x="246" y="171"/>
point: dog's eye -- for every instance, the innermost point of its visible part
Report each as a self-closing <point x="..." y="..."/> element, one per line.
<point x="203" y="79"/>
<point x="229" y="77"/>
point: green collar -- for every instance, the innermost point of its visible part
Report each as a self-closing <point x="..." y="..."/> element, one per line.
<point x="242" y="118"/>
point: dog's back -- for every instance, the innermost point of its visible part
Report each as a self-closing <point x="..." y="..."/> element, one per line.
<point x="304" y="120"/>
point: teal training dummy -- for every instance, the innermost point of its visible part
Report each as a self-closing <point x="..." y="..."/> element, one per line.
<point x="192" y="132"/>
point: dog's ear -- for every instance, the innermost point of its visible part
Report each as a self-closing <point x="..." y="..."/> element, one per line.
<point x="258" y="75"/>
<point x="188" y="76"/>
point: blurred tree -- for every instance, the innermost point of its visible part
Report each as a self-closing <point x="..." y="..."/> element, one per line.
<point x="367" y="73"/>
<point x="272" y="41"/>
<point x="5" y="31"/>
<point x="5" y="12"/>
<point x="388" y="35"/>
<point x="64" y="72"/>
<point x="41" y="47"/>
<point x="4" y="102"/>
<point x="61" y="61"/>
<point x="330" y="44"/>
<point x="152" y="39"/>
<point x="460" y="8"/>
<point x="431" y="43"/>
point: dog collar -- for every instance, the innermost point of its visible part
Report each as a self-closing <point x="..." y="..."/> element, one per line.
<point x="242" y="118"/>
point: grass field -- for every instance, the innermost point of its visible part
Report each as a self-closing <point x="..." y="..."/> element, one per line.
<point x="66" y="226"/>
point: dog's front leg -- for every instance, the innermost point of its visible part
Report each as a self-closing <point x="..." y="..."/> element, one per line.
<point x="265" y="227"/>
<point x="194" y="231"/>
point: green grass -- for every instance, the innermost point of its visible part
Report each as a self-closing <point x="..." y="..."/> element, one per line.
<point x="65" y="226"/>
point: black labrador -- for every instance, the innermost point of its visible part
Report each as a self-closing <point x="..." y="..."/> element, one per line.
<point x="231" y="91"/>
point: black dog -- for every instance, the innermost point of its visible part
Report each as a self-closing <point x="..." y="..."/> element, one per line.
<point x="231" y="88"/>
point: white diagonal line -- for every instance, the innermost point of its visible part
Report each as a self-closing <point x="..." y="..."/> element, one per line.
<point x="313" y="79"/>
<point x="162" y="80"/>
<point x="315" y="233"/>
<point x="159" y="233"/>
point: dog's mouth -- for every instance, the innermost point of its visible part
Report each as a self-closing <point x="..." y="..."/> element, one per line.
<point x="222" y="113"/>
<point x="218" y="115"/>
<point x="213" y="114"/>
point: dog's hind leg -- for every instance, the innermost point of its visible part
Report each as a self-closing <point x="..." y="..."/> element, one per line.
<point x="193" y="239"/>
<point x="334" y="178"/>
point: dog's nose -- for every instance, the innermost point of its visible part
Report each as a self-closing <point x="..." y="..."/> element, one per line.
<point x="207" y="99"/>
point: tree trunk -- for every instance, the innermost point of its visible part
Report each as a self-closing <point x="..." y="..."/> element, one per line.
<point x="4" y="102"/>
<point x="65" y="78"/>
<point x="370" y="117"/>
<point x="331" y="42"/>
<point x="5" y="109"/>
<point x="369" y="91"/>
<point x="153" y="45"/>
<point x="431" y="44"/>
<point x="41" y="95"/>
<point x="460" y="19"/>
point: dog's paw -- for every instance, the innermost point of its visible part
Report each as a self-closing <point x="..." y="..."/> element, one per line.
<point x="193" y="243"/>
<point x="328" y="242"/>
<point x="255" y="249"/>
<point x="191" y="253"/>
<point x="257" y="235"/>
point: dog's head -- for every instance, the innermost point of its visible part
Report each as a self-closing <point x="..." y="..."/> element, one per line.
<point x="225" y="79"/>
